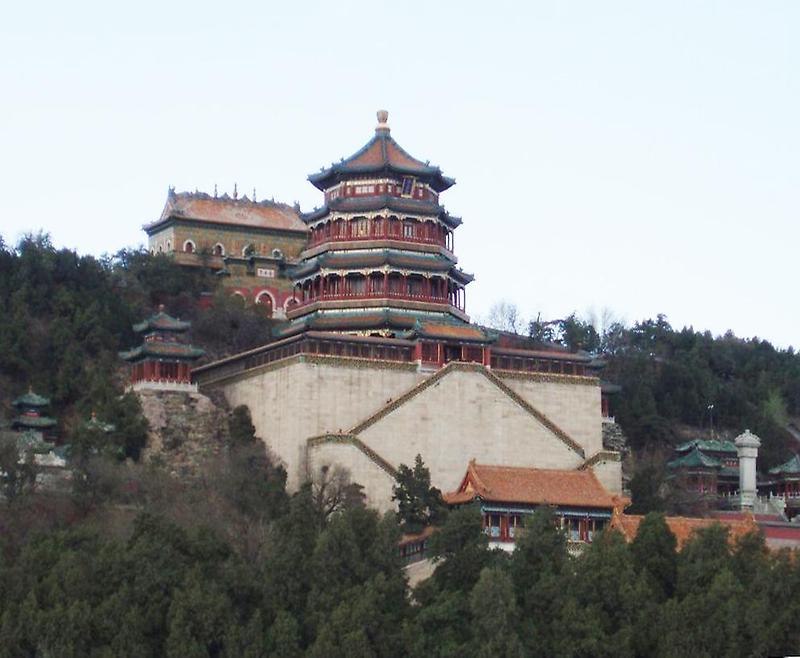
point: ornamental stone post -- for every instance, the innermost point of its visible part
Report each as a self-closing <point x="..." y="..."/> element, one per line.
<point x="747" y="445"/>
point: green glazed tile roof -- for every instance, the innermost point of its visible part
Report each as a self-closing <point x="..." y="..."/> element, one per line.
<point x="707" y="445"/>
<point x="161" y="321"/>
<point x="790" y="467"/>
<point x="94" y="423"/>
<point x="163" y="350"/>
<point x="360" y="259"/>
<point x="31" y="399"/>
<point x="381" y="202"/>
<point x="695" y="459"/>
<point x="381" y="154"/>
<point x="38" y="422"/>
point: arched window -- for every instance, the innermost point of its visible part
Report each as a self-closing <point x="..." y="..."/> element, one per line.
<point x="264" y="299"/>
<point x="169" y="245"/>
<point x="160" y="248"/>
<point x="248" y="250"/>
<point x="219" y="249"/>
<point x="189" y="247"/>
<point x="239" y="297"/>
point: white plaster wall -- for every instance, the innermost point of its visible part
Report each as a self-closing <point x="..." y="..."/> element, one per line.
<point x="575" y="408"/>
<point x="292" y="403"/>
<point x="461" y="417"/>
<point x="377" y="483"/>
<point x="609" y="472"/>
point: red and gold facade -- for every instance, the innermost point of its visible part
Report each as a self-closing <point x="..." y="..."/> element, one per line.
<point x="380" y="253"/>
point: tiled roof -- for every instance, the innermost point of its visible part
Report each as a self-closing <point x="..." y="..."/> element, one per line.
<point x="374" y="258"/>
<point x="412" y="538"/>
<point x="94" y="423"/>
<point x="383" y="202"/>
<point x="694" y="459"/>
<point x="154" y="348"/>
<point x="31" y="399"/>
<point x="225" y="210"/>
<point x="355" y="319"/>
<point x="792" y="466"/>
<point x="457" y="331"/>
<point x="683" y="527"/>
<point x="381" y="154"/>
<point x="710" y="446"/>
<point x="161" y="321"/>
<point x="532" y="486"/>
<point x="39" y="422"/>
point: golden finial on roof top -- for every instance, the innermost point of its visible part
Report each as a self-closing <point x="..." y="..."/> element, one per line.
<point x="383" y="119"/>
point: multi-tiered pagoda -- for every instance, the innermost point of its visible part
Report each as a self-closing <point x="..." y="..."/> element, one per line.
<point x="31" y="415"/>
<point x="380" y="258"/>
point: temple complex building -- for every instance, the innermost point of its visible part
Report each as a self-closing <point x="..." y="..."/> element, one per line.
<point x="163" y="361"/>
<point x="249" y="243"/>
<point x="707" y="466"/>
<point x="31" y="417"/>
<point x="783" y="482"/>
<point x="378" y="362"/>
<point x="508" y="494"/>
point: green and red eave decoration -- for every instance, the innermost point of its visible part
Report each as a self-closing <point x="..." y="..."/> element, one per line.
<point x="161" y="321"/>
<point x="30" y="407"/>
<point x="381" y="156"/>
<point x="163" y="359"/>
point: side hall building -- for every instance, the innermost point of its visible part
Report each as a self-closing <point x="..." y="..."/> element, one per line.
<point x="378" y="361"/>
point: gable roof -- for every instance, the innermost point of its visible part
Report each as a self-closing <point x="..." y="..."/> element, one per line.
<point x="381" y="154"/>
<point x="532" y="486"/>
<point x="202" y="207"/>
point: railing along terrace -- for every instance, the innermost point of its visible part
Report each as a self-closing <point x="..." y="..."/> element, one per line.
<point x="376" y="294"/>
<point x="332" y="348"/>
<point x="377" y="232"/>
<point x="536" y="364"/>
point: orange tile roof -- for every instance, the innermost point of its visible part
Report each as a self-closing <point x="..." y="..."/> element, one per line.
<point x="453" y="331"/>
<point x="532" y="486"/>
<point x="406" y="538"/>
<point x="224" y="210"/>
<point x="683" y="527"/>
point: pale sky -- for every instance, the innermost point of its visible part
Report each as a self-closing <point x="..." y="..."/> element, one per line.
<point x="638" y="156"/>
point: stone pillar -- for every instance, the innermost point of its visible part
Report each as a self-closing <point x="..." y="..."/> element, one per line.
<point x="747" y="445"/>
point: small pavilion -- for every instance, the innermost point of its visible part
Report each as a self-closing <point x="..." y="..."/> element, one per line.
<point x="31" y="417"/>
<point x="163" y="361"/>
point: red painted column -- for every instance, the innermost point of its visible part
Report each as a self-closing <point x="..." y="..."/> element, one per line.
<point x="386" y="284"/>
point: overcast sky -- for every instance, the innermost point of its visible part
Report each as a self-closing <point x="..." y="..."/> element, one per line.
<point x="636" y="156"/>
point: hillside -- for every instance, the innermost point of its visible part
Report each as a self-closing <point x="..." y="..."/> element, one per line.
<point x="66" y="317"/>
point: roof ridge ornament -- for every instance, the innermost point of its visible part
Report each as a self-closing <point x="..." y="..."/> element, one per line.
<point x="383" y="122"/>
